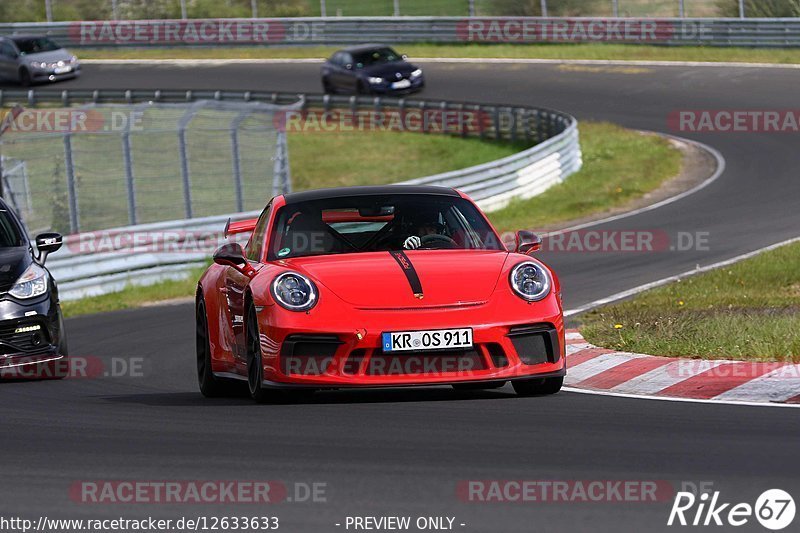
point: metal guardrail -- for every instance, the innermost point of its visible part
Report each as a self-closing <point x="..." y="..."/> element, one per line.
<point x="752" y="32"/>
<point x="108" y="260"/>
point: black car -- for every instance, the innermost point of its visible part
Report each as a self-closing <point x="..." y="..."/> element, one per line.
<point x="32" y="339"/>
<point x="370" y="69"/>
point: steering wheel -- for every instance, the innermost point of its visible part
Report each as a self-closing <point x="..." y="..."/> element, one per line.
<point x="437" y="239"/>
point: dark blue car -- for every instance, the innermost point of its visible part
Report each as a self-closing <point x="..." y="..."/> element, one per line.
<point x="32" y="339"/>
<point x="370" y="69"/>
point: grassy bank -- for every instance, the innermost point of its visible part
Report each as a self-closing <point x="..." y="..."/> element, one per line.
<point x="747" y="311"/>
<point x="592" y="51"/>
<point x="619" y="165"/>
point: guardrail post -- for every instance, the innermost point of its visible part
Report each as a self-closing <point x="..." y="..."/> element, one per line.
<point x="72" y="193"/>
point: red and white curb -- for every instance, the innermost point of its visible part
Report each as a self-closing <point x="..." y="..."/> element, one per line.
<point x="591" y="368"/>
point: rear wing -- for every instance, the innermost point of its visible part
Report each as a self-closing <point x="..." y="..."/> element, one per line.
<point x="240" y="226"/>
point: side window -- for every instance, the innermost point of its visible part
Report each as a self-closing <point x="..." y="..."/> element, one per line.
<point x="6" y="50"/>
<point x="255" y="245"/>
<point x="337" y="59"/>
<point x="347" y="59"/>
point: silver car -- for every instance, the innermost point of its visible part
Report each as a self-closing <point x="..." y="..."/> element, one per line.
<point x="29" y="59"/>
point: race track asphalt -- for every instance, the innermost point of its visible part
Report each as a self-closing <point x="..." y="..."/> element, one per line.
<point x="403" y="452"/>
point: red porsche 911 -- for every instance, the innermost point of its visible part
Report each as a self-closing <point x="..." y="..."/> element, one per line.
<point x="377" y="287"/>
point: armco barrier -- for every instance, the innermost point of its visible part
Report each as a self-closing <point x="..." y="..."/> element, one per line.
<point x="341" y="30"/>
<point x="108" y="260"/>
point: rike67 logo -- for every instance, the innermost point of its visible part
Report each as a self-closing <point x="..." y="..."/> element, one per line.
<point x="774" y="509"/>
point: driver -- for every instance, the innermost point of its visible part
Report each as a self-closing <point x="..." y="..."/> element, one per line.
<point x="427" y="224"/>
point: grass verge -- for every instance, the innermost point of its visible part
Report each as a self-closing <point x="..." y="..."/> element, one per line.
<point x="746" y="311"/>
<point x="619" y="165"/>
<point x="590" y="51"/>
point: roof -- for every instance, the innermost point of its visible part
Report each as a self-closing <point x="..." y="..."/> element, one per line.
<point x="367" y="190"/>
<point x="364" y="47"/>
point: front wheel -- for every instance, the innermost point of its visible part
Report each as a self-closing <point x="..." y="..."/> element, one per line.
<point x="255" y="369"/>
<point x="538" y="387"/>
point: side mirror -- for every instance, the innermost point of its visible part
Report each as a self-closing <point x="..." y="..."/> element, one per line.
<point x="48" y="243"/>
<point x="232" y="255"/>
<point x="349" y="66"/>
<point x="527" y="242"/>
<point x="404" y="56"/>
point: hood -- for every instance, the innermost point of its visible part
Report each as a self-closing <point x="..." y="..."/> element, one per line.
<point x="390" y="70"/>
<point x="376" y="280"/>
<point x="62" y="54"/>
<point x="13" y="262"/>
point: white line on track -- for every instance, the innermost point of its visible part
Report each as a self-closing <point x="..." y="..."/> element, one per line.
<point x="495" y="60"/>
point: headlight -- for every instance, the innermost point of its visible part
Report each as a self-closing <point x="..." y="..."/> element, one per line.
<point x="294" y="291"/>
<point x="417" y="73"/>
<point x="375" y="80"/>
<point x="530" y="281"/>
<point x="32" y="282"/>
<point x="36" y="64"/>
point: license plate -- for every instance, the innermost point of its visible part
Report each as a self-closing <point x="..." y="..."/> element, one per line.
<point x="402" y="84"/>
<point x="62" y="70"/>
<point x="434" y="339"/>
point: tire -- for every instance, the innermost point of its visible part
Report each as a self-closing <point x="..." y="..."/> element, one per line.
<point x="255" y="369"/>
<point x="486" y="385"/>
<point x="24" y="77"/>
<point x="59" y="369"/>
<point x="538" y="387"/>
<point x="210" y="385"/>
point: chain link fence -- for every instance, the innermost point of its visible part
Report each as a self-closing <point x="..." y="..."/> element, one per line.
<point x="62" y="10"/>
<point x="98" y="166"/>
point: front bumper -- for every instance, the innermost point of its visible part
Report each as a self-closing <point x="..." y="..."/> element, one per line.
<point x="30" y="335"/>
<point x="49" y="74"/>
<point x="511" y="340"/>
<point x="417" y="84"/>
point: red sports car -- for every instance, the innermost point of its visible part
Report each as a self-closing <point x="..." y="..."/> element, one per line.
<point x="377" y="287"/>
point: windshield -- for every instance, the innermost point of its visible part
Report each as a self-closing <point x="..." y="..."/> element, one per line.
<point x="35" y="45"/>
<point x="379" y="223"/>
<point x="10" y="235"/>
<point x="375" y="57"/>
